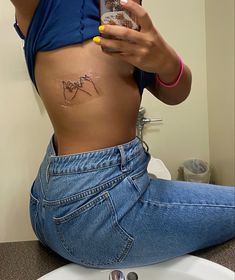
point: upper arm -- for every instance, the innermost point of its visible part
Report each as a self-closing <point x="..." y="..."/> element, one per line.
<point x="25" y="8"/>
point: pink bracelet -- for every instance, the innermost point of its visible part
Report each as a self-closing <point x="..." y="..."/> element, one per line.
<point x="175" y="83"/>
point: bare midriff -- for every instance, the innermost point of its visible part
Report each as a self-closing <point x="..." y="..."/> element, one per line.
<point x="91" y="98"/>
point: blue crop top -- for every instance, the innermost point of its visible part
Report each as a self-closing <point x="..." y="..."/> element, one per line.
<point x="57" y="23"/>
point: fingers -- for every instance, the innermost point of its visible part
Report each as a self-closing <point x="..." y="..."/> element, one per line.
<point x="143" y="18"/>
<point x="115" y="45"/>
<point x="122" y="33"/>
<point x="127" y="44"/>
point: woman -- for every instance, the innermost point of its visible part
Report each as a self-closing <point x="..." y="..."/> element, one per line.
<point x="92" y="201"/>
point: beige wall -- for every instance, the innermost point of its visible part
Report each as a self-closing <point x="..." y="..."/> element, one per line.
<point x="220" y="66"/>
<point x="25" y="129"/>
<point x="25" y="126"/>
<point x="184" y="134"/>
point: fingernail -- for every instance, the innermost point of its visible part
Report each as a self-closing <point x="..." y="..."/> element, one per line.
<point x="123" y="1"/>
<point x="101" y="28"/>
<point x="96" y="39"/>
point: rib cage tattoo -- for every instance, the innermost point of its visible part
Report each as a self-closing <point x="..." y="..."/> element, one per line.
<point x="71" y="89"/>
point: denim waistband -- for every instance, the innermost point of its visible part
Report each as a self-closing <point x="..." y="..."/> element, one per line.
<point x="95" y="159"/>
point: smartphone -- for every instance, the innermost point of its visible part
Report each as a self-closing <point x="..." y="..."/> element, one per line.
<point x="112" y="12"/>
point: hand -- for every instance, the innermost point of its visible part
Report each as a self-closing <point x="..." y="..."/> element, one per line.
<point x="145" y="49"/>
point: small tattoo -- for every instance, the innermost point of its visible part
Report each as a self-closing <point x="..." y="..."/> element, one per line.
<point x="71" y="89"/>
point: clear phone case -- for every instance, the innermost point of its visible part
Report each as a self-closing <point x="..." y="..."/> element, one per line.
<point x="112" y="12"/>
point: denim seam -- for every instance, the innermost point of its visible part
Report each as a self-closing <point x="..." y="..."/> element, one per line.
<point x="82" y="209"/>
<point x="124" y="235"/>
<point x="132" y="179"/>
<point x="94" y="153"/>
<point x="34" y="198"/>
<point x="133" y="184"/>
<point x="63" y="242"/>
<point x="54" y="173"/>
<point x="137" y="175"/>
<point x="62" y="239"/>
<point x="100" y="151"/>
<point x="41" y="184"/>
<point x="123" y="158"/>
<point x="79" y="196"/>
<point x="35" y="214"/>
<point x="127" y="238"/>
<point x="61" y="173"/>
<point x="47" y="175"/>
<point x="185" y="204"/>
<point x="35" y="227"/>
<point x="113" y="210"/>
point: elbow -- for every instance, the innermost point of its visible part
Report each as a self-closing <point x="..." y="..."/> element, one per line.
<point x="176" y="95"/>
<point x="184" y="91"/>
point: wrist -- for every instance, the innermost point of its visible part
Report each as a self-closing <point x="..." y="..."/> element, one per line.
<point x="171" y="79"/>
<point x="171" y="68"/>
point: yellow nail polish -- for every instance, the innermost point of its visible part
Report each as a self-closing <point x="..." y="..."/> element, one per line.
<point x="101" y="28"/>
<point x="96" y="39"/>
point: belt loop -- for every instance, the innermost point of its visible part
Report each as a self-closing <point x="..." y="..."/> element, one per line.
<point x="47" y="170"/>
<point x="123" y="158"/>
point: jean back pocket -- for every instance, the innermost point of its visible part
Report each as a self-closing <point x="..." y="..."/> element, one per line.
<point x="92" y="235"/>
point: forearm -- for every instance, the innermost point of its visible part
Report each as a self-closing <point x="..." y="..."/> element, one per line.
<point x="178" y="93"/>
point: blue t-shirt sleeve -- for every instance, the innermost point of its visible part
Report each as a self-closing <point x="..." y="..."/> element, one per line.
<point x="143" y="79"/>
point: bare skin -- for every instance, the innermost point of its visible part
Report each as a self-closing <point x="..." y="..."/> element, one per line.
<point x="91" y="96"/>
<point x="100" y="113"/>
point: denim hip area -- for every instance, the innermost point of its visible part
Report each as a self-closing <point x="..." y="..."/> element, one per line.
<point x="90" y="168"/>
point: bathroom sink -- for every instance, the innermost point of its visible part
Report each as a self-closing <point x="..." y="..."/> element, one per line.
<point x="181" y="268"/>
<point x="157" y="169"/>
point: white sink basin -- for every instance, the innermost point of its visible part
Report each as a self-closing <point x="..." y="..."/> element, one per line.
<point x="182" y="268"/>
<point x="157" y="169"/>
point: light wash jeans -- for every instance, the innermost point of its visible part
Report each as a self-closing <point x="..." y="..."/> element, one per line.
<point x="101" y="209"/>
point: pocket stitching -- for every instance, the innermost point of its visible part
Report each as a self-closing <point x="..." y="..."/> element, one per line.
<point x="101" y="167"/>
<point x="35" y="201"/>
<point x="132" y="179"/>
<point x="62" y="173"/>
<point x="124" y="235"/>
<point x="84" y="194"/>
<point x="137" y="175"/>
<point x="75" y="213"/>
